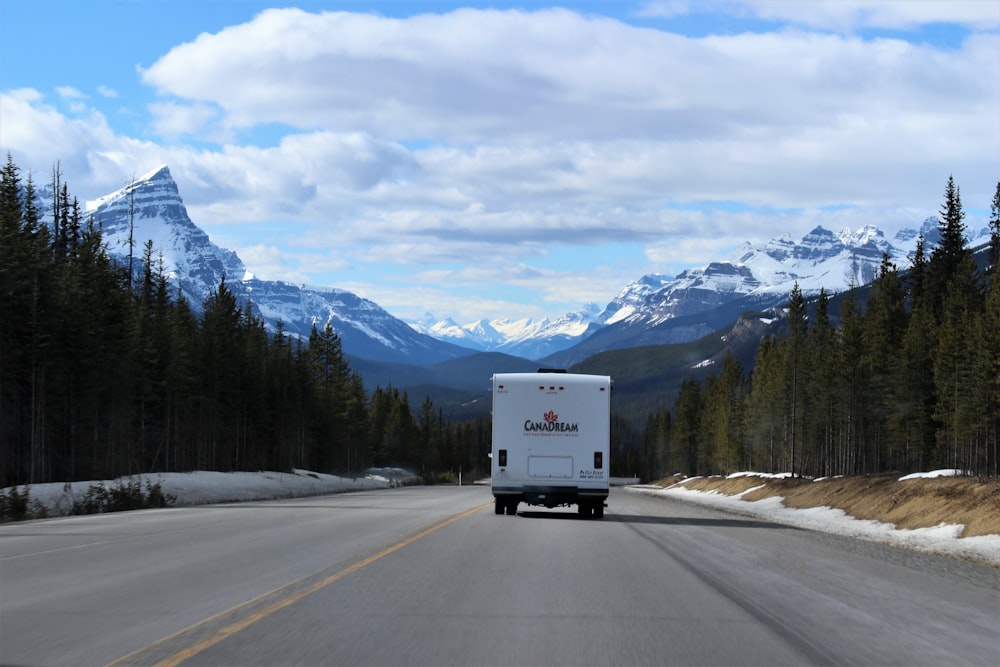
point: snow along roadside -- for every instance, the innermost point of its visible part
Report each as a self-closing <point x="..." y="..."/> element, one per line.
<point x="941" y="539"/>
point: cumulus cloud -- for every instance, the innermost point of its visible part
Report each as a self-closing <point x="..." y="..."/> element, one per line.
<point x="511" y="75"/>
<point x="172" y="120"/>
<point x="449" y="138"/>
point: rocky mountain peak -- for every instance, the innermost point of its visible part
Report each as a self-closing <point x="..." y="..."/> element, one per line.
<point x="150" y="209"/>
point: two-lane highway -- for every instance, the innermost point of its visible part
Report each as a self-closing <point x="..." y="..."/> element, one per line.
<point x="430" y="575"/>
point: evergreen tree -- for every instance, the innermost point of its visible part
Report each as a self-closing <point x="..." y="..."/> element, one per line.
<point x="995" y="232"/>
<point x="948" y="256"/>
<point x="821" y="422"/>
<point x="958" y="368"/>
<point x="333" y="376"/>
<point x="14" y="265"/>
<point x="917" y="276"/>
<point x="725" y="411"/>
<point x="765" y="413"/>
<point x="656" y="445"/>
<point x="220" y="361"/>
<point x="849" y="457"/>
<point x="184" y="390"/>
<point x="796" y="369"/>
<point x="429" y="436"/>
<point x="914" y="388"/>
<point x="883" y="327"/>
<point x="687" y="426"/>
<point x="991" y="375"/>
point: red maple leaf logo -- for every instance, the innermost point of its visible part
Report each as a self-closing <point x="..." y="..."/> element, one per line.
<point x="551" y="416"/>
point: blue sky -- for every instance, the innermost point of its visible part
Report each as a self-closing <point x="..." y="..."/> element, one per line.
<point x="509" y="159"/>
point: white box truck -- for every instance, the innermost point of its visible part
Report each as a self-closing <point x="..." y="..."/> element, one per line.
<point x="551" y="441"/>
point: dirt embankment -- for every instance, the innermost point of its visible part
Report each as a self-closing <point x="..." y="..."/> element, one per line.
<point x="912" y="503"/>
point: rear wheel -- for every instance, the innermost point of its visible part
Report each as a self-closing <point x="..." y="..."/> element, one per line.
<point x="498" y="506"/>
<point x="599" y="511"/>
<point x="512" y="507"/>
<point x="583" y="510"/>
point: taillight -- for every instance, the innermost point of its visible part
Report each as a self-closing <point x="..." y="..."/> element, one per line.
<point x="502" y="458"/>
<point x="598" y="460"/>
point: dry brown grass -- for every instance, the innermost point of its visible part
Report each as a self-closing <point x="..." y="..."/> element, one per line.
<point x="914" y="503"/>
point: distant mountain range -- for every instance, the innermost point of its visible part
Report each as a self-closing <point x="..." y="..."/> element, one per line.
<point x="655" y="309"/>
<point x="659" y="309"/>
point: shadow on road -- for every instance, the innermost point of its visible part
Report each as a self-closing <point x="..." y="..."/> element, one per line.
<point x="657" y="520"/>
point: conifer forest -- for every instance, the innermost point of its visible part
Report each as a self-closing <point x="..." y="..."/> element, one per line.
<point x="106" y="372"/>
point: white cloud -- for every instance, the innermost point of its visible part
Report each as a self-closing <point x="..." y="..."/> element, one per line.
<point x="70" y="93"/>
<point x="450" y="138"/>
<point x="665" y="8"/>
<point x="172" y="120"/>
<point x="271" y="261"/>
<point x="502" y="79"/>
<point x="898" y="14"/>
<point x="844" y="15"/>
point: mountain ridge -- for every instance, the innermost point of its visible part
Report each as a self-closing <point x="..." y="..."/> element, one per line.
<point x="151" y="209"/>
<point x="653" y="309"/>
<point x="657" y="308"/>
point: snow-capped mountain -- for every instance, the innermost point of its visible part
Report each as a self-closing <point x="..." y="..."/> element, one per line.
<point x="528" y="338"/>
<point x="661" y="309"/>
<point x="658" y="310"/>
<point x="821" y="259"/>
<point x="654" y="309"/>
<point x="151" y="209"/>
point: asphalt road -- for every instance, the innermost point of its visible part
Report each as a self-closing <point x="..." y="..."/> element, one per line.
<point x="431" y="576"/>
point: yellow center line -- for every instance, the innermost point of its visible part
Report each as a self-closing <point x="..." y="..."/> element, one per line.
<point x="241" y="624"/>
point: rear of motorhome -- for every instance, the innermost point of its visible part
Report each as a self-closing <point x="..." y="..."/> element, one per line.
<point x="551" y="441"/>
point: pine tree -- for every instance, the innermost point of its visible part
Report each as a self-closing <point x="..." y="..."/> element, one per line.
<point x="765" y="411"/>
<point x="687" y="426"/>
<point x="991" y="375"/>
<point x="220" y="359"/>
<point x="948" y="256"/>
<point x="656" y="441"/>
<point x="884" y="324"/>
<point x="957" y="369"/>
<point x="13" y="260"/>
<point x="184" y="391"/>
<point x="821" y="422"/>
<point x="995" y="232"/>
<point x="849" y="457"/>
<point x="796" y="369"/>
<point x="429" y="436"/>
<point x="957" y="304"/>
<point x="914" y="388"/>
<point x="332" y="381"/>
<point x="726" y="416"/>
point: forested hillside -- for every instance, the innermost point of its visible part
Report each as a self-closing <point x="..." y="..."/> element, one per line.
<point x="106" y="372"/>
<point x="910" y="381"/>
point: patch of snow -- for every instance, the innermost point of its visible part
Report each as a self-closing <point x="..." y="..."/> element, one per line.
<point x="203" y="487"/>
<point x="940" y="539"/>
<point x="949" y="472"/>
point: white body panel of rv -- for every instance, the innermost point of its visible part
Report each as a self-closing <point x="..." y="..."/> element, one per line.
<point x="551" y="441"/>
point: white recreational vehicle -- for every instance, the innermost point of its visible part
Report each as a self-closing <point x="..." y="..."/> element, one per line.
<point x="551" y="440"/>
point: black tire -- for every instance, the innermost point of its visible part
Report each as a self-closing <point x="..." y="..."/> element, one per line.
<point x="599" y="511"/>
<point x="584" y="510"/>
<point x="498" y="506"/>
<point x="512" y="507"/>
